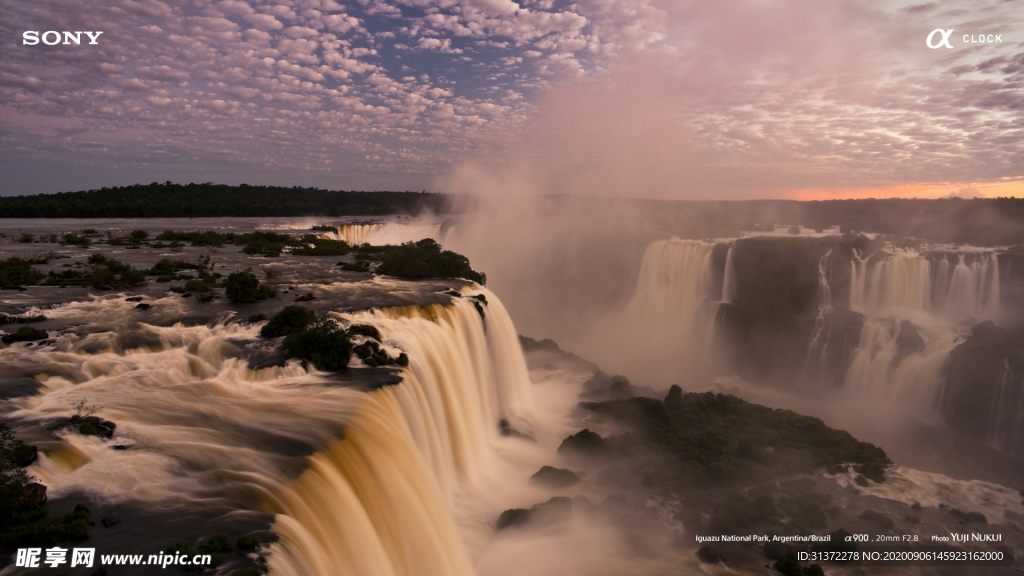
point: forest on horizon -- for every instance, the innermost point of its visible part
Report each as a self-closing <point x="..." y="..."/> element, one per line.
<point x="978" y="221"/>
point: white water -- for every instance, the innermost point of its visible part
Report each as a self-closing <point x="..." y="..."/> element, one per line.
<point x="729" y="279"/>
<point x="904" y="280"/>
<point x="376" y="497"/>
<point x="817" y="350"/>
<point x="674" y="294"/>
<point x="941" y="303"/>
<point x="930" y="489"/>
<point x="1006" y="421"/>
<point x="385" y="233"/>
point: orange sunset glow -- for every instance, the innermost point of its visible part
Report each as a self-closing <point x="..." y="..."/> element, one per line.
<point x="1012" y="189"/>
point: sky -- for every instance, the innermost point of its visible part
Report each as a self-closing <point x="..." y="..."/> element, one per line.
<point x="680" y="99"/>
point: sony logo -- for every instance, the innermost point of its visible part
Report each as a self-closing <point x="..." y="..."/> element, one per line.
<point x="52" y="37"/>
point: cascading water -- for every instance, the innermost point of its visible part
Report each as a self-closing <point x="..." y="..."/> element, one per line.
<point x="817" y="350"/>
<point x="384" y="233"/>
<point x="915" y="316"/>
<point x="409" y="447"/>
<point x="904" y="280"/>
<point x="729" y="279"/>
<point x="375" y="496"/>
<point x="1006" y="423"/>
<point x="674" y="294"/>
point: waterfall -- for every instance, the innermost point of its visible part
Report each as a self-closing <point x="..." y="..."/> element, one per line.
<point x="729" y="279"/>
<point x="674" y="293"/>
<point x="916" y="315"/>
<point x="376" y="502"/>
<point x="881" y="368"/>
<point x="818" y="347"/>
<point x="1006" y="420"/>
<point x="352" y="233"/>
<point x="376" y="495"/>
<point x="386" y="233"/>
<point x="974" y="289"/>
<point x="904" y="280"/>
<point x="901" y="279"/>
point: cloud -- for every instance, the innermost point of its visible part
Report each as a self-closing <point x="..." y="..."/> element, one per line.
<point x="661" y="98"/>
<point x="264" y="21"/>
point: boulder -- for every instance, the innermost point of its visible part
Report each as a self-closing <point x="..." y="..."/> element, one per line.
<point x="33" y="496"/>
<point x="551" y="477"/>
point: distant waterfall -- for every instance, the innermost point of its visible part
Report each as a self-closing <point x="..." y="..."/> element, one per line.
<point x="1006" y="423"/>
<point x="352" y="233"/>
<point x="817" y="350"/>
<point x="385" y="233"/>
<point x="905" y="280"/>
<point x="974" y="289"/>
<point x="376" y="502"/>
<point x="675" y="292"/>
<point x="916" y="315"/>
<point x="729" y="279"/>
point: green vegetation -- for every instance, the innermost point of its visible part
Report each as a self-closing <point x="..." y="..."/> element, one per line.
<point x="325" y="344"/>
<point x="7" y="319"/>
<point x="425" y="259"/>
<point x="321" y="247"/>
<point x="25" y="334"/>
<point x="291" y="319"/>
<point x="84" y="422"/>
<point x="103" y="274"/>
<point x="360" y="266"/>
<point x="108" y="273"/>
<point x="15" y="272"/>
<point x="24" y="517"/>
<point x="244" y="286"/>
<point x="372" y="355"/>
<point x="215" y="200"/>
<point x="718" y="439"/>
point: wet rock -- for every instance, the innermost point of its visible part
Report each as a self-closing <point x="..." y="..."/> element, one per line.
<point x="709" y="555"/>
<point x="551" y="477"/>
<point x="119" y="447"/>
<point x="584" y="442"/>
<point x="503" y="425"/>
<point x="144" y="306"/>
<point x="134" y="299"/>
<point x="554" y="510"/>
<point x="33" y="496"/>
<point x="81" y="508"/>
<point x="110" y="521"/>
<point x="186" y="295"/>
<point x="512" y="517"/>
<point x="908" y="341"/>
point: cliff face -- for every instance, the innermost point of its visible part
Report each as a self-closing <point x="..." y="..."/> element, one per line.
<point x="770" y="326"/>
<point x="983" y="396"/>
<point x="788" y="321"/>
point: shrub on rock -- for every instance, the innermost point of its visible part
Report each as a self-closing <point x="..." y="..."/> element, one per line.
<point x="325" y="345"/>
<point x="292" y="319"/>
